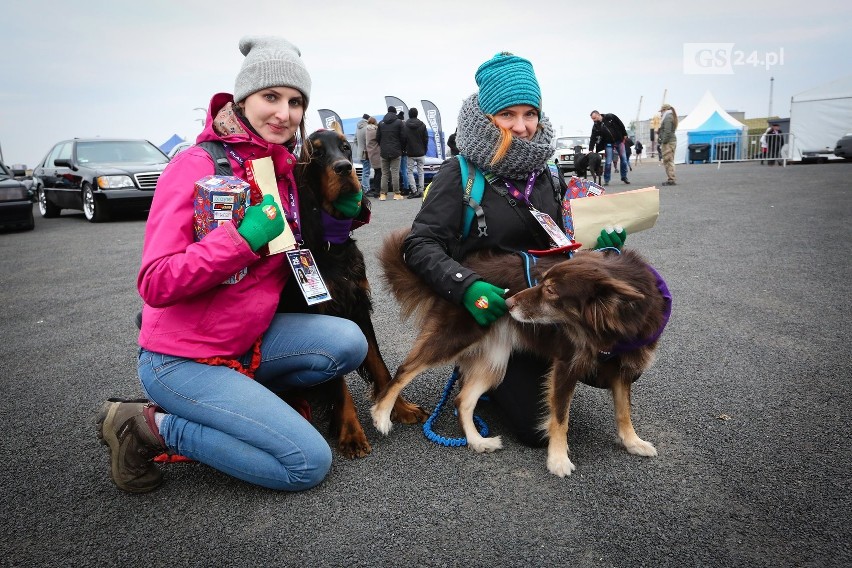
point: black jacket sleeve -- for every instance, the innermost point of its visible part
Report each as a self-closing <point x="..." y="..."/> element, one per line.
<point x="436" y="233"/>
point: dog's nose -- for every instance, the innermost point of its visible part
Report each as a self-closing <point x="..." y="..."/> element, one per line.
<point x="510" y="301"/>
<point x="342" y="167"/>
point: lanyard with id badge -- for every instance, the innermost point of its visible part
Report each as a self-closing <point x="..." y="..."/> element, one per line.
<point x="560" y="242"/>
<point x="261" y="173"/>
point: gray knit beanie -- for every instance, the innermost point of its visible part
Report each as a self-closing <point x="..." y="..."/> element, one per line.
<point x="270" y="62"/>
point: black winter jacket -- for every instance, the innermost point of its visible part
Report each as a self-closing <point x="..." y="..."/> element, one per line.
<point x="390" y="137"/>
<point x="610" y="130"/>
<point x="416" y="138"/>
<point x="435" y="245"/>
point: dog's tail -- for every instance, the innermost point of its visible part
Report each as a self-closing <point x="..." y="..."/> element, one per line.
<point x="413" y="294"/>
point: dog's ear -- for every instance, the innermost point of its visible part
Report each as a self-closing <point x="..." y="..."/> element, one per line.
<point x="618" y="287"/>
<point x="601" y="309"/>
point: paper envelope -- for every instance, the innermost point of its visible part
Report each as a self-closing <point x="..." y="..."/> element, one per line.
<point x="261" y="173"/>
<point x="635" y="210"/>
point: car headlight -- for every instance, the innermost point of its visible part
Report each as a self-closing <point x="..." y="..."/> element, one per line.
<point x="114" y="182"/>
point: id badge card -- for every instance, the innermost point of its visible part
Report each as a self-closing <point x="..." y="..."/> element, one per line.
<point x="549" y="225"/>
<point x="308" y="276"/>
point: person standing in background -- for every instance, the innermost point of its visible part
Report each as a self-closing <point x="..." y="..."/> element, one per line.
<point x="416" y="142"/>
<point x="609" y="134"/>
<point x="668" y="141"/>
<point x="361" y="149"/>
<point x="374" y="155"/>
<point x="389" y="137"/>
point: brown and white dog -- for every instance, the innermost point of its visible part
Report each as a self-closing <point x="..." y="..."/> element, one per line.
<point x="597" y="316"/>
<point x="323" y="174"/>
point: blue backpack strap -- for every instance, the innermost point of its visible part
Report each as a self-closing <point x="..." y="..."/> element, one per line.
<point x="474" y="188"/>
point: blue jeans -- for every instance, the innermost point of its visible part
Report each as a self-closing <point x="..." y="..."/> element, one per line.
<point x="622" y="162"/>
<point x="365" y="175"/>
<point x="240" y="426"/>
<point x="403" y="172"/>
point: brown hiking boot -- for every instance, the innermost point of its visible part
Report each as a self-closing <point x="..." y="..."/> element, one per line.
<point x="132" y="443"/>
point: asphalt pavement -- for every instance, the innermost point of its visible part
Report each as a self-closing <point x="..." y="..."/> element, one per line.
<point x="747" y="404"/>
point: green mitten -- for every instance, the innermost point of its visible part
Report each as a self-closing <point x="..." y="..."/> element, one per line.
<point x="261" y="223"/>
<point x="485" y="302"/>
<point x="614" y="238"/>
<point x="349" y="204"/>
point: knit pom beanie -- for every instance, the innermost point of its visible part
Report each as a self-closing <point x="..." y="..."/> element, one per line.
<point x="506" y="80"/>
<point x="270" y="62"/>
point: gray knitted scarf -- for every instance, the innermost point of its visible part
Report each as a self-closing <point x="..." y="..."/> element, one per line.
<point x="477" y="139"/>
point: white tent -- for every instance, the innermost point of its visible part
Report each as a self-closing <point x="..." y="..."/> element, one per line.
<point x="708" y="123"/>
<point x="821" y="116"/>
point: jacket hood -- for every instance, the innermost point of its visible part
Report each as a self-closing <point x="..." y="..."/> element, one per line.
<point x="390" y="117"/>
<point x="413" y="123"/>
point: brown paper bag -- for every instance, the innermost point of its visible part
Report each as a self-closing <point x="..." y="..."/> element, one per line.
<point x="634" y="210"/>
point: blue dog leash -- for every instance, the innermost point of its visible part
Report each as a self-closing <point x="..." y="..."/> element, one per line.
<point x="437" y="438"/>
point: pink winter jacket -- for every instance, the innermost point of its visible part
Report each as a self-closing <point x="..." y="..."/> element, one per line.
<point x="188" y="312"/>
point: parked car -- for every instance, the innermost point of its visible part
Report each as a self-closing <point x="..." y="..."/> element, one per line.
<point x="16" y="202"/>
<point x="98" y="175"/>
<point x="566" y="148"/>
<point x="843" y="148"/>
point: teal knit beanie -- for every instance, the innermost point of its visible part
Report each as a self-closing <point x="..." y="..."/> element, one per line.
<point x="506" y="80"/>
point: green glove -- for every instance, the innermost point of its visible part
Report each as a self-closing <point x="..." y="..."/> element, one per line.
<point x="349" y="204"/>
<point x="261" y="223"/>
<point x="614" y="238"/>
<point x="485" y="302"/>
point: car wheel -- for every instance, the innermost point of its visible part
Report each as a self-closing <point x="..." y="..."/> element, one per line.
<point x="45" y="207"/>
<point x="94" y="211"/>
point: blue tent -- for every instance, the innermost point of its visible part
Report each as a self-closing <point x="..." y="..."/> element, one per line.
<point x="710" y="124"/>
<point x="170" y="143"/>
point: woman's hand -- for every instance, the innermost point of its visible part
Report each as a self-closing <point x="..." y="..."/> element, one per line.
<point x="612" y="238"/>
<point x="261" y="223"/>
<point x="485" y="302"/>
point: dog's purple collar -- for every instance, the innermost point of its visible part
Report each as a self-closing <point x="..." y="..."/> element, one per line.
<point x="335" y="231"/>
<point x="667" y="312"/>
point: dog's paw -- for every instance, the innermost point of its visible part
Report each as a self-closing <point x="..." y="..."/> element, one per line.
<point x="484" y="445"/>
<point x="381" y="420"/>
<point x="354" y="445"/>
<point x="406" y="412"/>
<point x="640" y="447"/>
<point x="560" y="465"/>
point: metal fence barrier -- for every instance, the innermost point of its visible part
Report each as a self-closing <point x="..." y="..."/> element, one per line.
<point x="748" y="148"/>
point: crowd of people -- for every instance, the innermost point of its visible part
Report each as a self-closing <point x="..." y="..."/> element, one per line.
<point x="393" y="146"/>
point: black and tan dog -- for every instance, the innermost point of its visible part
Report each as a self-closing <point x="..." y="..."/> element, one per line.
<point x="324" y="173"/>
<point x="597" y="316"/>
<point x="591" y="162"/>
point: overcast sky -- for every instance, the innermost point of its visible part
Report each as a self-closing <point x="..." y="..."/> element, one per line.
<point x="140" y="68"/>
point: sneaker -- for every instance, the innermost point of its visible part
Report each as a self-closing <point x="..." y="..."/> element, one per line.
<point x="625" y="180"/>
<point x="371" y="193"/>
<point x="669" y="183"/>
<point x="398" y="196"/>
<point x="383" y="196"/>
<point x="415" y="195"/>
<point x="132" y="443"/>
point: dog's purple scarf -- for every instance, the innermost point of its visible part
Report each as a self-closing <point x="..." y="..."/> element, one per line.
<point x="335" y="231"/>
<point x="667" y="312"/>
